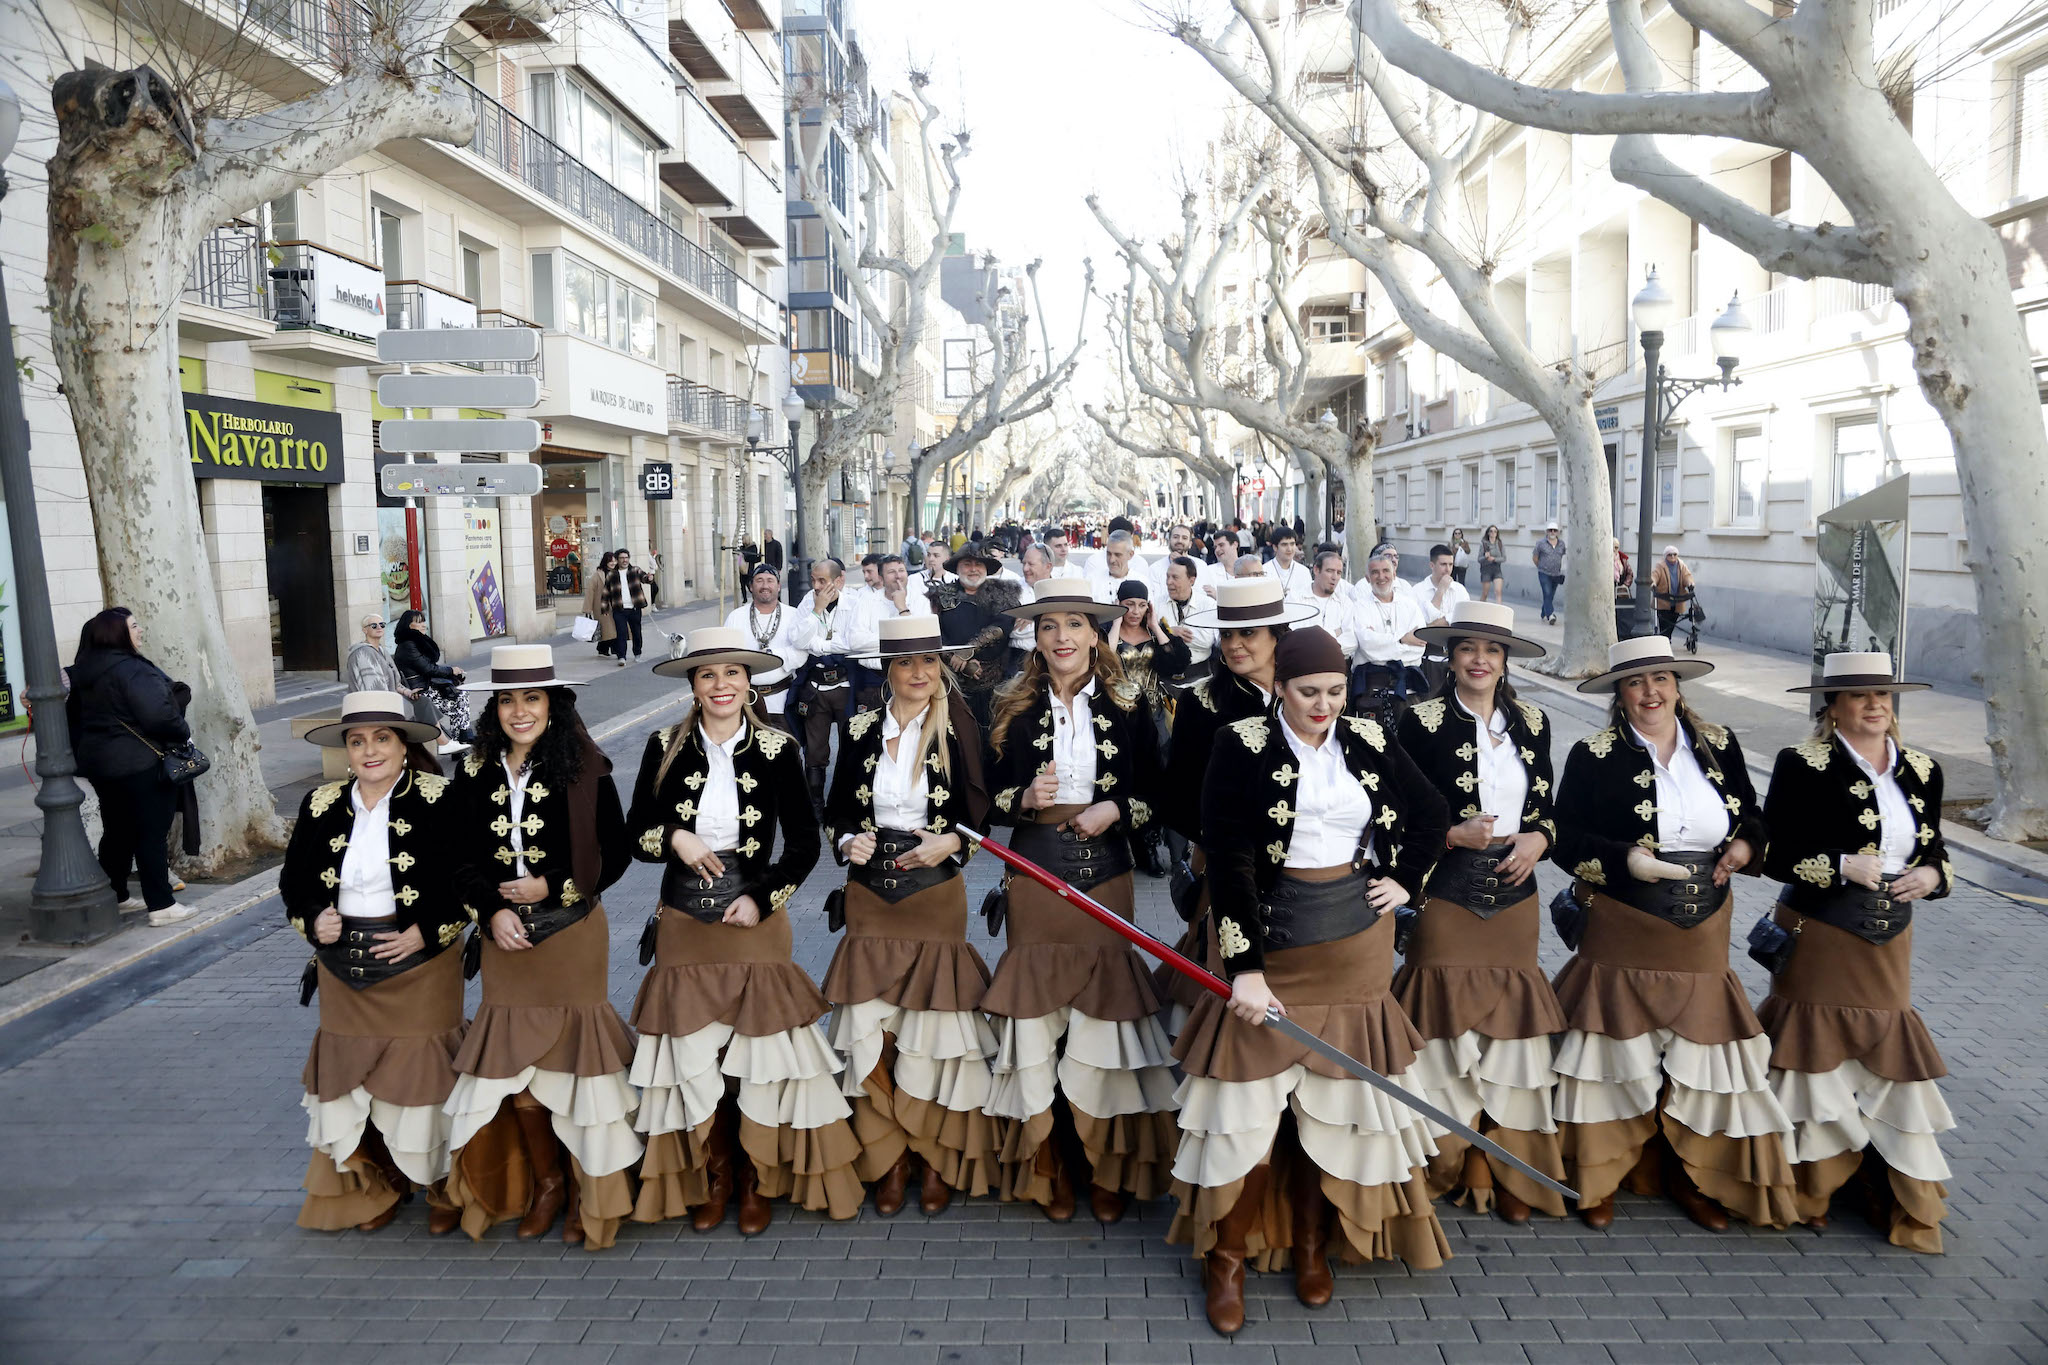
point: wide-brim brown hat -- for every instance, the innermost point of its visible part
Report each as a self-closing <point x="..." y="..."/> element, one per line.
<point x="1644" y="654"/>
<point x="1065" y="594"/>
<point x="1242" y="603"/>
<point x="718" y="645"/>
<point x="1493" y="622"/>
<point x="517" y="667"/>
<point x="1848" y="671"/>
<point x="366" y="709"/>
<point x="992" y="562"/>
<point x="903" y="636"/>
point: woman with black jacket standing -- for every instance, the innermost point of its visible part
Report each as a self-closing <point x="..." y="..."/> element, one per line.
<point x="544" y="1065"/>
<point x="124" y="712"/>
<point x="370" y="882"/>
<point x="740" y="1088"/>
<point x="419" y="663"/>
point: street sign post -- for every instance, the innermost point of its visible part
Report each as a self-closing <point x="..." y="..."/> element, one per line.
<point x="458" y="390"/>
<point x="459" y="480"/>
<point x="407" y="391"/>
<point x="485" y="435"/>
<point x="457" y="345"/>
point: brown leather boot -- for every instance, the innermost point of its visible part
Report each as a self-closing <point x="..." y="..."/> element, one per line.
<point x="1313" y="1283"/>
<point x="1687" y="1196"/>
<point x="753" y="1204"/>
<point x="1223" y="1267"/>
<point x="381" y="1220"/>
<point x="1106" y="1204"/>
<point x="935" y="1194"/>
<point x="442" y="1216"/>
<point x="1061" y="1209"/>
<point x="890" y="1189"/>
<point x="1600" y="1216"/>
<point x="544" y="1153"/>
<point x="1509" y="1205"/>
<point x="572" y="1220"/>
<point x="717" y="1166"/>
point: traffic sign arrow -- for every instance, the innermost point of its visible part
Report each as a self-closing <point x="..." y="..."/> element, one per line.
<point x="513" y="435"/>
<point x="458" y="391"/>
<point x="418" y="345"/>
<point x="459" y="480"/>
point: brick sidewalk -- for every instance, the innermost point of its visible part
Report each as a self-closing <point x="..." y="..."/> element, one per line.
<point x="155" y="1161"/>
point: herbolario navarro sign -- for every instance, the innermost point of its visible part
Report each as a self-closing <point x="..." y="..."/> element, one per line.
<point x="231" y="438"/>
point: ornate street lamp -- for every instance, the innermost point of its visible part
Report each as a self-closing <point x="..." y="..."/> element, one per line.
<point x="72" y="901"/>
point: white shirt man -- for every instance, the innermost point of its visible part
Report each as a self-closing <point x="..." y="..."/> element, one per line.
<point x="1225" y="545"/>
<point x="1336" y="610"/>
<point x="1179" y="541"/>
<point x="1179" y="601"/>
<point x="1110" y="570"/>
<point x="770" y="625"/>
<point x="1386" y="619"/>
<point x="899" y="594"/>
<point x="1037" y="568"/>
<point x="933" y="571"/>
<point x="1439" y="592"/>
<point x="1362" y="589"/>
<point x="1296" y="578"/>
<point x="1056" y="546"/>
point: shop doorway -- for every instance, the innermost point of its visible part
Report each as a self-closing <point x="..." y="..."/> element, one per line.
<point x="298" y="553"/>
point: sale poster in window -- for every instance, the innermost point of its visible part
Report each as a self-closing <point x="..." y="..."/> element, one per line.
<point x="486" y="588"/>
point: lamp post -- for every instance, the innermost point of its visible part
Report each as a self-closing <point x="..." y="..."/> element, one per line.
<point x="757" y="429"/>
<point x="1662" y="393"/>
<point x="71" y="902"/>
<point x="1328" y="422"/>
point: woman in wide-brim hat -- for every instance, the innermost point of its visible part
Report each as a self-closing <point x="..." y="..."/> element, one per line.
<point x="740" y="1087"/>
<point x="905" y="985"/>
<point x="1073" y="769"/>
<point x="1663" y="1073"/>
<point x="1470" y="982"/>
<point x="544" y="1065"/>
<point x="370" y="881"/>
<point x="1855" y="821"/>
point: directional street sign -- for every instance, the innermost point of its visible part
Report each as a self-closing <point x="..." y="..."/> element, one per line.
<point x="467" y="345"/>
<point x="458" y="391"/>
<point x="459" y="480"/>
<point x="509" y="435"/>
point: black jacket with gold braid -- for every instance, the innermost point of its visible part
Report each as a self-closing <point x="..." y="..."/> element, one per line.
<point x="1441" y="736"/>
<point x="1608" y="804"/>
<point x="425" y="839"/>
<point x="1821" y="806"/>
<point x="1126" y="757"/>
<point x="772" y="795"/>
<point x="1204" y="709"/>
<point x="575" y="840"/>
<point x="1248" y="821"/>
<point x="955" y="789"/>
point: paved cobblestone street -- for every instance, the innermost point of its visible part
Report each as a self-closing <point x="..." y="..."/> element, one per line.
<point x="155" y="1157"/>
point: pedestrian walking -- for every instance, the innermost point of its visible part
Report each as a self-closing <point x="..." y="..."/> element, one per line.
<point x="905" y="985"/>
<point x="1671" y="589"/>
<point x="1548" y="557"/>
<point x="1072" y="770"/>
<point x="1461" y="563"/>
<point x="1493" y="558"/>
<point x="625" y="596"/>
<point x="1851" y="1060"/>
<point x="125" y="713"/>
<point x="419" y="665"/>
<point x="1663" y="1073"/>
<point x="740" y="1096"/>
<point x="1318" y="829"/>
<point x="593" y="603"/>
<point x="542" y="1107"/>
<point x="1469" y="981"/>
<point x="372" y="881"/>
<point x="370" y="669"/>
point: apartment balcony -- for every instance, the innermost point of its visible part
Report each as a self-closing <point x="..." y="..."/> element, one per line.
<point x="760" y="215"/>
<point x="414" y="305"/>
<point x="499" y="24"/>
<point x="750" y="95"/>
<point x="224" y="296"/>
<point x="704" y="167"/>
<point x="1332" y="277"/>
<point x="701" y="34"/>
<point x="701" y="411"/>
<point x="752" y="14"/>
<point x="327" y="305"/>
<point x="1333" y="366"/>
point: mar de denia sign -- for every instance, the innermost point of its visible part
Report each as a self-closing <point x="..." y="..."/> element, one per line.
<point x="231" y="438"/>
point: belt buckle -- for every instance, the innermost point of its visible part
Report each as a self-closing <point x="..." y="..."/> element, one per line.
<point x="1491" y="881"/>
<point x="1883" y="903"/>
<point x="355" y="952"/>
<point x="706" y="902"/>
<point x="889" y="883"/>
<point x="355" y="971"/>
<point x="1692" y="888"/>
<point x="1084" y="853"/>
<point x="1875" y="923"/>
<point x="888" y="864"/>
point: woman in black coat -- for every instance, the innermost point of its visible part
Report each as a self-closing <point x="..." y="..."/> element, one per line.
<point x="419" y="663"/>
<point x="124" y="713"/>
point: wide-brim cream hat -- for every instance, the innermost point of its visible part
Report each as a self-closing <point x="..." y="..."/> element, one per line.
<point x="1476" y="620"/>
<point x="516" y="667"/>
<point x="1066" y="594"/>
<point x="359" y="709"/>
<point x="1242" y="603"/>
<point x="1644" y="654"/>
<point x="1846" y="671"/>
<point x="718" y="645"/>
<point x="902" y="636"/>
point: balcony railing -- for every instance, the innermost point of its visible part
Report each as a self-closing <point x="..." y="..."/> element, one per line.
<point x="691" y="404"/>
<point x="498" y="317"/>
<point x="227" y="270"/>
<point x="416" y="305"/>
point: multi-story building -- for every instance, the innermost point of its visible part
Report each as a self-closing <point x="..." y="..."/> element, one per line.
<point x="1829" y="405"/>
<point x="620" y="195"/>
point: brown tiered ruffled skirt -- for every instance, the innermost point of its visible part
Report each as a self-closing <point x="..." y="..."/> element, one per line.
<point x="725" y="1011"/>
<point x="546" y="1028"/>
<point x="1242" y="1080"/>
<point x="907" y="988"/>
<point x="1661" y="1037"/>
<point x="1486" y="1013"/>
<point x="376" y="1076"/>
<point x="1065" y="977"/>
<point x="1855" y="1069"/>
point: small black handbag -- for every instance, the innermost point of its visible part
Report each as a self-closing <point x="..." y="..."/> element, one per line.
<point x="835" y="909"/>
<point x="182" y="762"/>
<point x="1771" y="944"/>
<point x="1568" y="917"/>
<point x="648" y="934"/>
<point x="995" y="907"/>
<point x="309" y="982"/>
<point x="1184" y="889"/>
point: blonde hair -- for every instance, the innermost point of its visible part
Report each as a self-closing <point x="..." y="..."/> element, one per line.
<point x="1617" y="717"/>
<point x="1014" y="696"/>
<point x="752" y="710"/>
<point x="935" y="734"/>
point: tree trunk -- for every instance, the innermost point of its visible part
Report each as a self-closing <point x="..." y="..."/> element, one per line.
<point x="1223" y="495"/>
<point x="1586" y="607"/>
<point x="1361" y="526"/>
<point x="1316" y="479"/>
<point x="113" y="304"/>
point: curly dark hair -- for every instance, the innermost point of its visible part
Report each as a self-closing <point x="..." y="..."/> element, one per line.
<point x="1503" y="689"/>
<point x="557" y="757"/>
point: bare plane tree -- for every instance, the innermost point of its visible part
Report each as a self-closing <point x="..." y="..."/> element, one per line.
<point x="1823" y="97"/>
<point x="1153" y="429"/>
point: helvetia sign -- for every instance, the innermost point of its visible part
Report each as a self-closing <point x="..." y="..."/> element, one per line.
<point x="234" y="439"/>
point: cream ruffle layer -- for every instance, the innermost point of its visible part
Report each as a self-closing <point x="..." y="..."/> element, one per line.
<point x="592" y="1114"/>
<point x="941" y="1056"/>
<point x="1109" y="1067"/>
<point x="1510" y="1079"/>
<point x="1851" y="1107"/>
<point x="786" y="1080"/>
<point x="1717" y="1088"/>
<point x="416" y="1134"/>
<point x="1348" y="1129"/>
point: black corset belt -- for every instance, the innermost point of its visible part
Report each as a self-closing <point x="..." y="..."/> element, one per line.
<point x="1072" y="858"/>
<point x="1686" y="901"/>
<point x="1301" y="913"/>
<point x="1872" y="916"/>
<point x="349" y="957"/>
<point x="543" y="922"/>
<point x="702" y="898"/>
<point x="1470" y="877"/>
<point x="887" y="878"/>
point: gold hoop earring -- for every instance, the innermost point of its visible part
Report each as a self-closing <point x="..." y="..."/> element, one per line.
<point x="753" y="697"/>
